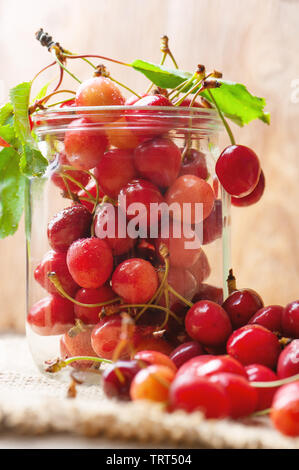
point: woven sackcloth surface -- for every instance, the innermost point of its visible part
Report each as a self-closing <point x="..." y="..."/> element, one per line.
<point x="32" y="403"/>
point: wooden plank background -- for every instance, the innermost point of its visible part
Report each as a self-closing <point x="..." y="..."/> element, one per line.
<point x="252" y="41"/>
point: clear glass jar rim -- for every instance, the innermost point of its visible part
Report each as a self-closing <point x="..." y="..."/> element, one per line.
<point x="57" y="119"/>
<point x="171" y="109"/>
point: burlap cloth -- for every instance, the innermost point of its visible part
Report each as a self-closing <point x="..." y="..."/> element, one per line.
<point x="32" y="403"/>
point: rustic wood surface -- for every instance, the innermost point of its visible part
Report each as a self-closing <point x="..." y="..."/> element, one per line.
<point x="252" y="41"/>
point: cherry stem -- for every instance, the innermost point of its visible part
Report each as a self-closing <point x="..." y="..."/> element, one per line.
<point x="60" y="364"/>
<point x="73" y="180"/>
<point x="55" y="92"/>
<point x="179" y="296"/>
<point x="164" y="253"/>
<point x="181" y="88"/>
<point x="158" y="307"/>
<point x="166" y="296"/>
<point x="61" y="73"/>
<point x="198" y="92"/>
<point x="261" y="413"/>
<point x="197" y="84"/>
<point x="55" y="280"/>
<point x="275" y="383"/>
<point x="70" y="194"/>
<point x="225" y="123"/>
<point x="125" y="86"/>
<point x="231" y="282"/>
<point x="54" y="53"/>
<point x="164" y="55"/>
<point x="94" y="56"/>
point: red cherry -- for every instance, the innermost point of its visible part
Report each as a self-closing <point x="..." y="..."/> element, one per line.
<point x="154" y="358"/>
<point x="217" y="364"/>
<point x="107" y="228"/>
<point x="153" y="343"/>
<point x="189" y="189"/>
<point x="135" y="280"/>
<point x="152" y="384"/>
<point x="242" y="397"/>
<point x="285" y="409"/>
<point x="158" y="160"/>
<point x="117" y="379"/>
<point x="55" y="262"/>
<point x="208" y="323"/>
<point x="90" y="315"/>
<point x="100" y="91"/>
<point x="183" y="282"/>
<point x="107" y="334"/>
<point x="186" y="351"/>
<point x="115" y="170"/>
<point x="254" y="344"/>
<point x="178" y="244"/>
<point x="253" y="197"/>
<point x="290" y="319"/>
<point x="92" y="189"/>
<point x="121" y="136"/>
<point x="238" y="169"/>
<point x="269" y="317"/>
<point x="194" y="163"/>
<point x="259" y="373"/>
<point x="212" y="225"/>
<point x="141" y="192"/>
<point x="90" y="262"/>
<point x="150" y="121"/>
<point x="67" y="226"/>
<point x="190" y="367"/>
<point x="78" y="345"/>
<point x="201" y="269"/>
<point x="53" y="315"/>
<point x="84" y="145"/>
<point x="78" y="175"/>
<point x="241" y="304"/>
<point x="192" y="393"/>
<point x="207" y="292"/>
<point x="288" y="362"/>
<point x="196" y="104"/>
<point x="133" y="99"/>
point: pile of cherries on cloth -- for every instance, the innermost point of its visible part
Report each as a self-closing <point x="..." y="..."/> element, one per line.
<point x="218" y="355"/>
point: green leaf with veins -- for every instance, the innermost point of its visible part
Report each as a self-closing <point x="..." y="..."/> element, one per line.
<point x="32" y="162"/>
<point x="233" y="99"/>
<point x="6" y="114"/>
<point x="12" y="184"/>
<point x="19" y="97"/>
<point x="161" y="75"/>
<point x="8" y="134"/>
<point x="237" y="103"/>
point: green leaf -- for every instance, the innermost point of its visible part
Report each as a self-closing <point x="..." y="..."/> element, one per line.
<point x="8" y="134"/>
<point x="19" y="97"/>
<point x="161" y="75"/>
<point x="12" y="184"/>
<point x="32" y="162"/>
<point x="233" y="99"/>
<point x="6" y="114"/>
<point x="237" y="103"/>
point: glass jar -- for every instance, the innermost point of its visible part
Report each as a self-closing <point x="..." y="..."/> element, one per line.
<point x="156" y="155"/>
